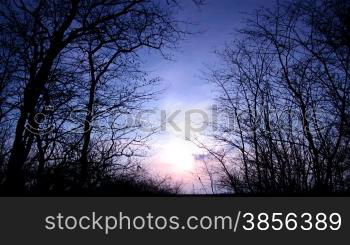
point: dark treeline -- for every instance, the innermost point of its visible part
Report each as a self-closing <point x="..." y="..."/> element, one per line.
<point x="70" y="72"/>
<point x="284" y="91"/>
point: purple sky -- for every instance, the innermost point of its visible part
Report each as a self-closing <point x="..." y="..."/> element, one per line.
<point x="186" y="90"/>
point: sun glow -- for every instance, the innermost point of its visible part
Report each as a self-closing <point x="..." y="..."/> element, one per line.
<point x="179" y="154"/>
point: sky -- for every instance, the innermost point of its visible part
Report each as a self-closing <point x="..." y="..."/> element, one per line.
<point x="186" y="89"/>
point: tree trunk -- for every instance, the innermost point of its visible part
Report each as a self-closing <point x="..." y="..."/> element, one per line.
<point x="15" y="173"/>
<point x="84" y="164"/>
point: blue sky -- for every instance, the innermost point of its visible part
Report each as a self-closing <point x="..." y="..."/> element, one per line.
<point x="218" y="20"/>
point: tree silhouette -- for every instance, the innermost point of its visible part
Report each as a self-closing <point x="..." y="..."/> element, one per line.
<point x="285" y="86"/>
<point x="80" y="56"/>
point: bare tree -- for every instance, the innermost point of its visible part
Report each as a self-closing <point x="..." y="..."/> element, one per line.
<point x="281" y="78"/>
<point x="45" y="40"/>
